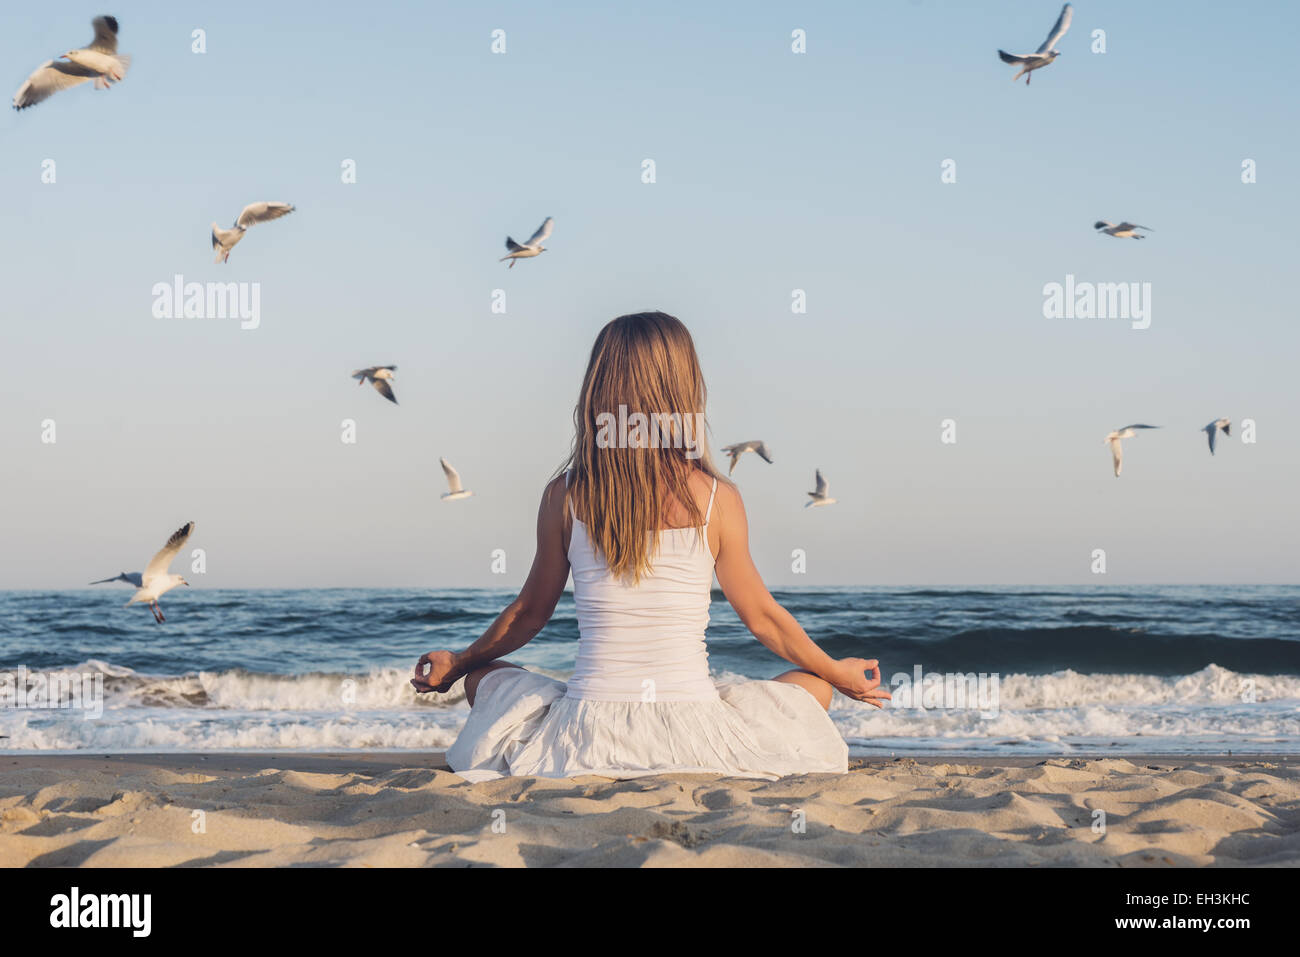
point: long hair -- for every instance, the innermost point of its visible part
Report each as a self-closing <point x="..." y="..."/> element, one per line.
<point x="639" y="434"/>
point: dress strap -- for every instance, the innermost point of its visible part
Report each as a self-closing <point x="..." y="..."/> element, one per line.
<point x="709" y="510"/>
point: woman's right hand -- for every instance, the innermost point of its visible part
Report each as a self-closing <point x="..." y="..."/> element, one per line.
<point x="851" y="679"/>
<point x="437" y="671"/>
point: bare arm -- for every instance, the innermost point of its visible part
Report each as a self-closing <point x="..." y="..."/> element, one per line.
<point x="524" y="617"/>
<point x="769" y="622"/>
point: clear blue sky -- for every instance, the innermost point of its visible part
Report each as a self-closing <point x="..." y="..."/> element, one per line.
<point x="775" y="172"/>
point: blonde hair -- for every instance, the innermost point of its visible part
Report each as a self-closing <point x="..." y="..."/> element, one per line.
<point x="642" y="363"/>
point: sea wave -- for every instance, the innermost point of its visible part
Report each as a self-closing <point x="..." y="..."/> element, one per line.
<point x="1214" y="708"/>
<point x="1098" y="649"/>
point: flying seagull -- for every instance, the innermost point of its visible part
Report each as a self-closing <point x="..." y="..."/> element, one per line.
<point x="820" y="497"/>
<point x="740" y="448"/>
<point x="155" y="581"/>
<point x="1212" y="430"/>
<point x="379" y="377"/>
<point x="1116" y="450"/>
<point x="1122" y="231"/>
<point x="453" y="483"/>
<point x="531" y="248"/>
<point x="98" y="61"/>
<point x="1044" y="54"/>
<point x="224" y="240"/>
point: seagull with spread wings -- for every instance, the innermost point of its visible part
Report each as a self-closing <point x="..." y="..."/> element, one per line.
<point x="155" y="581"/>
<point x="98" y="61"/>
<point x="1124" y="230"/>
<point x="1212" y="430"/>
<point x="379" y="377"/>
<point x="1117" y="450"/>
<point x="224" y="240"/>
<point x="1044" y="55"/>
<point x="820" y="497"/>
<point x="740" y="448"/>
<point x="453" y="483"/>
<point x="531" y="248"/>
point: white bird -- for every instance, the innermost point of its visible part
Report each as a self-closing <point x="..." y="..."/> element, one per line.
<point x="1044" y="54"/>
<point x="820" y="497"/>
<point x="453" y="483"/>
<point x="155" y="581"/>
<point x="224" y="240"/>
<point x="1122" y="231"/>
<point x="531" y="248"/>
<point x="740" y="448"/>
<point x="379" y="377"/>
<point x="1212" y="430"/>
<point x="1116" y="450"/>
<point x="98" y="61"/>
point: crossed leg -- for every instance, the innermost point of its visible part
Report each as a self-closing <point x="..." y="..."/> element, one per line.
<point x="819" y="688"/>
<point x="474" y="677"/>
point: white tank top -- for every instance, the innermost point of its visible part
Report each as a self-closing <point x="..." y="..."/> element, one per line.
<point x="644" y="642"/>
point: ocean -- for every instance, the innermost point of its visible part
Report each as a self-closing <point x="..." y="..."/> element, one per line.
<point x="1045" y="670"/>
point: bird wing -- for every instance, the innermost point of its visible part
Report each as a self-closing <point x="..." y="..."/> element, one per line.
<point x="1138" y="426"/>
<point x="1058" y="31"/>
<point x="47" y="79"/>
<point x="543" y="232"/>
<point x="513" y="246"/>
<point x="105" y="35"/>
<point x="822" y="485"/>
<point x="255" y="213"/>
<point x="763" y="453"/>
<point x="364" y="373"/>
<point x="158" y="564"/>
<point x="453" y="477"/>
<point x="1212" y="430"/>
<point x="384" y="389"/>
<point x="1128" y="225"/>
<point x="131" y="578"/>
<point x="1011" y="57"/>
<point x="1117" y="454"/>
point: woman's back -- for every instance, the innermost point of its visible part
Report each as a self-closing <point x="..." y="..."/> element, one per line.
<point x="643" y="522"/>
<point x="644" y="641"/>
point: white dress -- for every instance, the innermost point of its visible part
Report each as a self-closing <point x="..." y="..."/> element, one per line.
<point x="640" y="700"/>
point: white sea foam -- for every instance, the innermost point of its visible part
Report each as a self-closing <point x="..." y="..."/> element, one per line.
<point x="378" y="709"/>
<point x="154" y="730"/>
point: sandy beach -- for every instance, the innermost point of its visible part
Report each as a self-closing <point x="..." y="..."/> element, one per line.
<point x="403" y="810"/>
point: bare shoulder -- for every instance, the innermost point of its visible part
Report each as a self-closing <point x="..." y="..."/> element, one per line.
<point x="727" y="503"/>
<point x="553" y="515"/>
<point x="553" y="496"/>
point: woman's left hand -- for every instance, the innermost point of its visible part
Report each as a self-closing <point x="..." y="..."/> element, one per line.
<point x="437" y="671"/>
<point x="859" y="679"/>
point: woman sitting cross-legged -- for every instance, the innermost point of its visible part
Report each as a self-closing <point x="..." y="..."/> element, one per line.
<point x="644" y="526"/>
